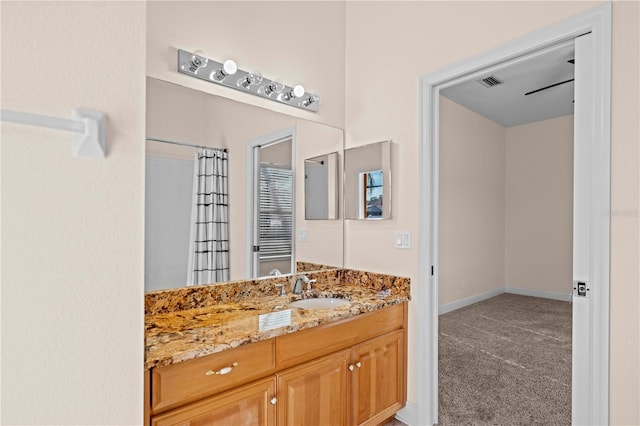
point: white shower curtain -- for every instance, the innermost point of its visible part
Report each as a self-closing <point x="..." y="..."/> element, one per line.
<point x="209" y="248"/>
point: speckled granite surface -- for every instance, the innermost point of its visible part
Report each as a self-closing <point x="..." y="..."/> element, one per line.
<point x="185" y="298"/>
<point x="302" y="266"/>
<point x="191" y="322"/>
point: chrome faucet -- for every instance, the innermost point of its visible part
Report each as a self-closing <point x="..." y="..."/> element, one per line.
<point x="297" y="287"/>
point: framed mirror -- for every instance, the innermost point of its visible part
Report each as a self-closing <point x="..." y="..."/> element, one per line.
<point x="367" y="182"/>
<point x="224" y="241"/>
<point x="321" y="187"/>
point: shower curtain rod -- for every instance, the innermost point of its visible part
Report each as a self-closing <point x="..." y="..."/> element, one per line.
<point x="185" y="144"/>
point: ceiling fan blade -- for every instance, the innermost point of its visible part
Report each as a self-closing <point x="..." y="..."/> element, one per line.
<point x="548" y="87"/>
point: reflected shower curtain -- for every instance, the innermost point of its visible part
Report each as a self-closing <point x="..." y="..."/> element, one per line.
<point x="209" y="248"/>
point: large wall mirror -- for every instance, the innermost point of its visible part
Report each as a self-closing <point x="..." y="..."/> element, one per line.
<point x="235" y="210"/>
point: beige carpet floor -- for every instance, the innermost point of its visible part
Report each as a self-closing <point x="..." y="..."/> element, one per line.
<point x="506" y="361"/>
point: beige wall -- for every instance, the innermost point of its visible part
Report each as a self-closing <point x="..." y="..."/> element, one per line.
<point x="539" y="206"/>
<point x="625" y="216"/>
<point x="422" y="37"/>
<point x="472" y="204"/>
<point x="299" y="42"/>
<point x="279" y="153"/>
<point x="505" y="213"/>
<point x="72" y="228"/>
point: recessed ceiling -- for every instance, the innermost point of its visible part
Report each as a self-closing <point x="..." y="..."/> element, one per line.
<point x="501" y="96"/>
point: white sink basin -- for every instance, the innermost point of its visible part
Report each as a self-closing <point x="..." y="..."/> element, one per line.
<point x="319" y="303"/>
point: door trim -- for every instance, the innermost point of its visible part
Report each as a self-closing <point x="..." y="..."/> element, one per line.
<point x="598" y="22"/>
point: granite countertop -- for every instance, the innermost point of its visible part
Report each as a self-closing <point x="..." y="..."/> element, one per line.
<point x="181" y="335"/>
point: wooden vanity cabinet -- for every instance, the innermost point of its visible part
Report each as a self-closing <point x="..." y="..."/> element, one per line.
<point x="351" y="372"/>
<point x="373" y="347"/>
<point x="363" y="385"/>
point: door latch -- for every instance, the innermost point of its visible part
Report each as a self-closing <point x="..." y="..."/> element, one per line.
<point x="581" y="288"/>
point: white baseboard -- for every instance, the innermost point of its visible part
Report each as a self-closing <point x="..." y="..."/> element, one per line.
<point x="449" y="307"/>
<point x="408" y="415"/>
<point x="566" y="297"/>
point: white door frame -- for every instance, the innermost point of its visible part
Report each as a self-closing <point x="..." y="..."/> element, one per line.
<point x="595" y="408"/>
<point x="262" y="141"/>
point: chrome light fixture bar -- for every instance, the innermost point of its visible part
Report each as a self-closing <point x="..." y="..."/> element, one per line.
<point x="228" y="74"/>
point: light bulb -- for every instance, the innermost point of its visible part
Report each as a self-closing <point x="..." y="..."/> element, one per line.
<point x="275" y="86"/>
<point x="250" y="79"/>
<point x="313" y="99"/>
<point x="197" y="61"/>
<point x="228" y="68"/>
<point x="296" y="92"/>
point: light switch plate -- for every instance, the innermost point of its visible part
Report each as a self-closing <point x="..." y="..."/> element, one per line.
<point x="303" y="235"/>
<point x="403" y="240"/>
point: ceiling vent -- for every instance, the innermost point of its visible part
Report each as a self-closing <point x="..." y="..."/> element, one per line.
<point x="490" y="81"/>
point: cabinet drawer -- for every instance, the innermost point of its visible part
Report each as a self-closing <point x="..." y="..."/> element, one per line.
<point x="248" y="405"/>
<point x="295" y="348"/>
<point x="188" y="381"/>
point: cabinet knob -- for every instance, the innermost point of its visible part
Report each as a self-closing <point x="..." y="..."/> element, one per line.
<point x="358" y="364"/>
<point x="350" y="367"/>
<point x="224" y="370"/>
<point x="273" y="400"/>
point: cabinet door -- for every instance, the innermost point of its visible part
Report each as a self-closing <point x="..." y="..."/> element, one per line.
<point x="378" y="379"/>
<point x="315" y="393"/>
<point x="251" y="404"/>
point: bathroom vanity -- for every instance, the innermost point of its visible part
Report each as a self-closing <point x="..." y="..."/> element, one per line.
<point x="337" y="366"/>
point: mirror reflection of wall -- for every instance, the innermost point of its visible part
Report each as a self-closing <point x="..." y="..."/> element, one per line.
<point x="181" y="114"/>
<point x="367" y="182"/>
<point x="321" y="187"/>
<point x="169" y="183"/>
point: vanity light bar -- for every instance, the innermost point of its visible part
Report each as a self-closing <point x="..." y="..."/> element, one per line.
<point x="229" y="75"/>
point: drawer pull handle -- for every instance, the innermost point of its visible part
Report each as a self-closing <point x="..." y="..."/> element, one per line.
<point x="358" y="364"/>
<point x="350" y="367"/>
<point x="273" y="400"/>
<point x="224" y="370"/>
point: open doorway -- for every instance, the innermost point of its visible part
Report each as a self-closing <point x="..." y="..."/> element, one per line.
<point x="505" y="244"/>
<point x="271" y="207"/>
<point x="590" y="311"/>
